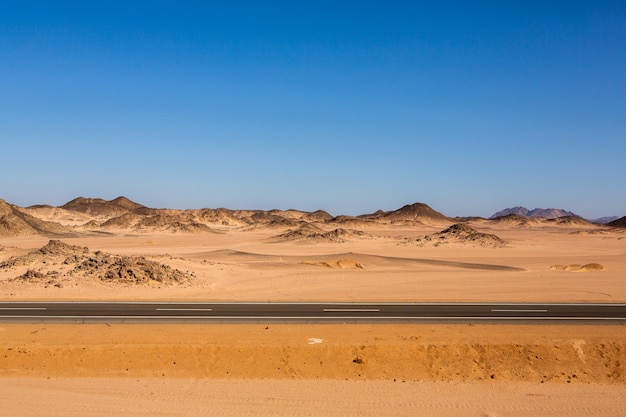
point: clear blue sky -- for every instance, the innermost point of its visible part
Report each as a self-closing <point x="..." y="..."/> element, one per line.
<point x="470" y="107"/>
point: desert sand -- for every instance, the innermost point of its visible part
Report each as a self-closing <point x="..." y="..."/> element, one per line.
<point x="91" y="249"/>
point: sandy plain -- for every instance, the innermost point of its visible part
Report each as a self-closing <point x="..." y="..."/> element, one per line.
<point x="252" y="266"/>
<point x="250" y="369"/>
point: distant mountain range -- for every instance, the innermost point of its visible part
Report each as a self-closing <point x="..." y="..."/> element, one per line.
<point x="549" y="213"/>
<point x="97" y="216"/>
<point x="604" y="220"/>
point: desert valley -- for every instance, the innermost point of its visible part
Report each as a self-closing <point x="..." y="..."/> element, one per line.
<point x="94" y="250"/>
<point x="91" y="249"/>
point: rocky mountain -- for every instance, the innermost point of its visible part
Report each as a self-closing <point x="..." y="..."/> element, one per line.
<point x="518" y="211"/>
<point x="550" y="213"/>
<point x="604" y="220"/>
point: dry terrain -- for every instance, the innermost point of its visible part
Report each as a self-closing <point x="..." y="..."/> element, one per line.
<point x="92" y="249"/>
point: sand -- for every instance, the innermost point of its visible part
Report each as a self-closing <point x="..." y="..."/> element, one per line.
<point x="69" y="397"/>
<point x="250" y="265"/>
<point x="258" y="369"/>
<point x="418" y="352"/>
<point x="321" y="370"/>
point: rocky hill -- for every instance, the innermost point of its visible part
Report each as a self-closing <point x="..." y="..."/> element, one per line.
<point x="100" y="207"/>
<point x="59" y="264"/>
<point x="14" y="222"/>
<point x="604" y="220"/>
<point x="462" y="233"/>
<point x="417" y="212"/>
<point x="306" y="232"/>
<point x="621" y="223"/>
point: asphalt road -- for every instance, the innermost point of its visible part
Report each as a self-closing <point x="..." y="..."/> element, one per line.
<point x="308" y="312"/>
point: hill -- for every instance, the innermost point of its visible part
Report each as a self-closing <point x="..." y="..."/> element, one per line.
<point x="514" y="220"/>
<point x="517" y="211"/>
<point x="100" y="207"/>
<point x="462" y="233"/>
<point x="621" y="223"/>
<point x="310" y="233"/>
<point x="417" y="212"/>
<point x="14" y="222"/>
<point x="604" y="220"/>
<point x="59" y="264"/>
<point x="570" y="221"/>
<point x="317" y="216"/>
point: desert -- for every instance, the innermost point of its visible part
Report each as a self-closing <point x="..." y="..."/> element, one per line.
<point x="92" y="249"/>
<point x="312" y="208"/>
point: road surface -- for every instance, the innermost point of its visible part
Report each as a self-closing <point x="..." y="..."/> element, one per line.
<point x="308" y="312"/>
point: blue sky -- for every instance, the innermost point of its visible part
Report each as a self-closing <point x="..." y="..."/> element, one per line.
<point x="350" y="107"/>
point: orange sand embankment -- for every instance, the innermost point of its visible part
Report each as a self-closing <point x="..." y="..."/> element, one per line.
<point x="416" y="352"/>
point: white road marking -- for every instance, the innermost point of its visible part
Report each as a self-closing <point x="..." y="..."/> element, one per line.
<point x="409" y="318"/>
<point x="23" y="308"/>
<point x="517" y="311"/>
<point x="351" y="310"/>
<point x="184" y="309"/>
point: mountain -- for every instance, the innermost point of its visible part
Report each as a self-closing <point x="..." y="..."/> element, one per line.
<point x="412" y="212"/>
<point x="518" y="211"/>
<point x="14" y="222"/>
<point x="550" y="213"/>
<point x="100" y="207"/>
<point x="621" y="222"/>
<point x="604" y="220"/>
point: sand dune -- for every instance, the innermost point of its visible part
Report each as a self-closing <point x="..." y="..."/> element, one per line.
<point x="364" y="259"/>
<point x="578" y="267"/>
<point x="344" y="263"/>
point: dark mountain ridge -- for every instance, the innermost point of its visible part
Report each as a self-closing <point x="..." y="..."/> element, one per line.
<point x="549" y="213"/>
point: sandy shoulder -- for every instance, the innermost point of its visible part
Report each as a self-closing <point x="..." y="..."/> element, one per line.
<point x="303" y="370"/>
<point x="412" y="352"/>
<point x="22" y="397"/>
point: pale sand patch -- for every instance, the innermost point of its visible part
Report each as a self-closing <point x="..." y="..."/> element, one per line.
<point x="104" y="397"/>
<point x="340" y="264"/>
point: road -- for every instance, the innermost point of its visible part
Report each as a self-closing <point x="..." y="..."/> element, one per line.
<point x="308" y="312"/>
